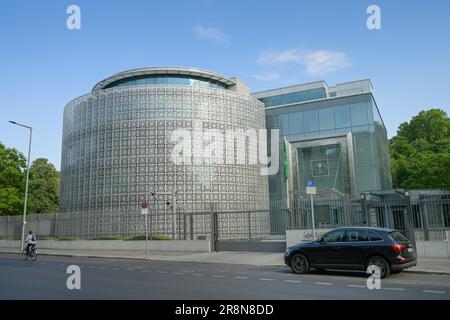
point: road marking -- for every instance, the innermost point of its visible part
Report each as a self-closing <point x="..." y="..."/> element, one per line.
<point x="146" y="270"/>
<point x="394" y="289"/>
<point x="103" y="268"/>
<point x="265" y="279"/>
<point x="161" y="271"/>
<point x="92" y="267"/>
<point x="356" y="286"/>
<point x="197" y="274"/>
<point x="323" y="283"/>
<point x="179" y="272"/>
<point x="217" y="276"/>
<point x="237" y="277"/>
<point x="293" y="281"/>
<point x="435" y="291"/>
<point x="116" y="269"/>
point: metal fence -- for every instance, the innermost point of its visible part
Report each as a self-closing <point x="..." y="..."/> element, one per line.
<point x="427" y="213"/>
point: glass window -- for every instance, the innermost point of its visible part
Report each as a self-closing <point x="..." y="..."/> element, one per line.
<point x="284" y="124"/>
<point x="296" y="122"/>
<point x="359" y="114"/>
<point x="326" y="119"/>
<point x="397" y="236"/>
<point x="357" y="235"/>
<point x="300" y="96"/>
<point x="334" y="236"/>
<point x="342" y="116"/>
<point x="373" y="236"/>
<point x="311" y="120"/>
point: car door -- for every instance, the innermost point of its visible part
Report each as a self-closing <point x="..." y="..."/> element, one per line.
<point x="353" y="251"/>
<point x="328" y="250"/>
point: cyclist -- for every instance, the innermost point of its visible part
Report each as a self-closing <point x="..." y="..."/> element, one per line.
<point x="30" y="241"/>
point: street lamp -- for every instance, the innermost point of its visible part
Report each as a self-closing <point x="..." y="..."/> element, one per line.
<point x="26" y="183"/>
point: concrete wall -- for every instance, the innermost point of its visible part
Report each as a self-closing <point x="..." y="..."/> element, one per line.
<point x="254" y="246"/>
<point x="425" y="249"/>
<point x="162" y="245"/>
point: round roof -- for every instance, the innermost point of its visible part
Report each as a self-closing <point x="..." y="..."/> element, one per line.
<point x="184" y="71"/>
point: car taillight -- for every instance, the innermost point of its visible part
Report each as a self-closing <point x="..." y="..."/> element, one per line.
<point x="398" y="247"/>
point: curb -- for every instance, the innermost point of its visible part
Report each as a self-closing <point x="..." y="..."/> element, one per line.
<point x="442" y="273"/>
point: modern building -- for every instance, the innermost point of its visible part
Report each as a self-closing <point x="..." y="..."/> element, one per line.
<point x="119" y="142"/>
<point x="334" y="136"/>
<point x="117" y="150"/>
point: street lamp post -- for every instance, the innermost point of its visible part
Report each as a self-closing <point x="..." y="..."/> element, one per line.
<point x="26" y="183"/>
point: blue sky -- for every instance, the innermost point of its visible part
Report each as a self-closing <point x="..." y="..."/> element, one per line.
<point x="267" y="44"/>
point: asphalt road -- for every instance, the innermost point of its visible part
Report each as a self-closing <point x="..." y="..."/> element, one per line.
<point x="139" y="279"/>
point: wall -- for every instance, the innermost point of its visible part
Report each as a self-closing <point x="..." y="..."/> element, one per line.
<point x="118" y="245"/>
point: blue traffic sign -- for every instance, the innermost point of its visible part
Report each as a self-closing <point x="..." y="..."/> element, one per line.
<point x="310" y="183"/>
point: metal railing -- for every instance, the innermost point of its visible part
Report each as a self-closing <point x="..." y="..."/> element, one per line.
<point x="428" y="213"/>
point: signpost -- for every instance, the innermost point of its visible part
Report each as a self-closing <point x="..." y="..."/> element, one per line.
<point x="144" y="211"/>
<point x="311" y="190"/>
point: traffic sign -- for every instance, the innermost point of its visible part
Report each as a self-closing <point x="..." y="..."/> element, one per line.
<point x="310" y="183"/>
<point x="311" y="190"/>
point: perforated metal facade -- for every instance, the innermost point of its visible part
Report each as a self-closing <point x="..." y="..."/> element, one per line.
<point x="116" y="150"/>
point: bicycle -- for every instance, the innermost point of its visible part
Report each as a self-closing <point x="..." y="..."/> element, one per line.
<point x="32" y="254"/>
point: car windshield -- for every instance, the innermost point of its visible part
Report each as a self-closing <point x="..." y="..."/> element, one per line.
<point x="397" y="236"/>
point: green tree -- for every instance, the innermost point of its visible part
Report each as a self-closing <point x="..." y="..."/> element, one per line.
<point x="420" y="152"/>
<point x="43" y="187"/>
<point x="12" y="180"/>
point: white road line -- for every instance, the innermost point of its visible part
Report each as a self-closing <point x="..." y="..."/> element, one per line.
<point x="116" y="269"/>
<point x="161" y="271"/>
<point x="103" y="268"/>
<point x="356" y="286"/>
<point x="179" y="272"/>
<point x="435" y="291"/>
<point x="293" y="281"/>
<point x="237" y="277"/>
<point x="394" y="289"/>
<point x="197" y="274"/>
<point x="146" y="270"/>
<point x="265" y="279"/>
<point x="323" y="283"/>
<point x="217" y="276"/>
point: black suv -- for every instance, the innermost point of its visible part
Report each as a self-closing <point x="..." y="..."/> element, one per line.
<point x="354" y="248"/>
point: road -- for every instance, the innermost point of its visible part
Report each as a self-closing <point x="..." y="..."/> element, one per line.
<point x="139" y="279"/>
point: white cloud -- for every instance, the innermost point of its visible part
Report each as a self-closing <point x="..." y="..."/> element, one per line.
<point x="316" y="62"/>
<point x="279" y="57"/>
<point x="268" y="77"/>
<point x="322" y="62"/>
<point x="213" y="34"/>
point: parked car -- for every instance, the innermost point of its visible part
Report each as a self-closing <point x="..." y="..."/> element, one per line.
<point x="354" y="248"/>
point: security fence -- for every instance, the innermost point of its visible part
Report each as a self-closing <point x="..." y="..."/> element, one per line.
<point x="425" y="212"/>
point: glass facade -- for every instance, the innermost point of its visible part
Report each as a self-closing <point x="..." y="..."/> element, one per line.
<point x="167" y="80"/>
<point x="341" y="144"/>
<point x="306" y="95"/>
<point x="117" y="149"/>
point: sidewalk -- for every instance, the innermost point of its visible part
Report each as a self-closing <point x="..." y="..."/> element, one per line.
<point x="430" y="266"/>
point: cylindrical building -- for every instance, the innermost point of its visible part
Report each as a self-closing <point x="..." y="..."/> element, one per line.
<point x="117" y="150"/>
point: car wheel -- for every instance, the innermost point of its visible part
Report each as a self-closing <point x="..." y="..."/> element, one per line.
<point x="299" y="263"/>
<point x="381" y="263"/>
